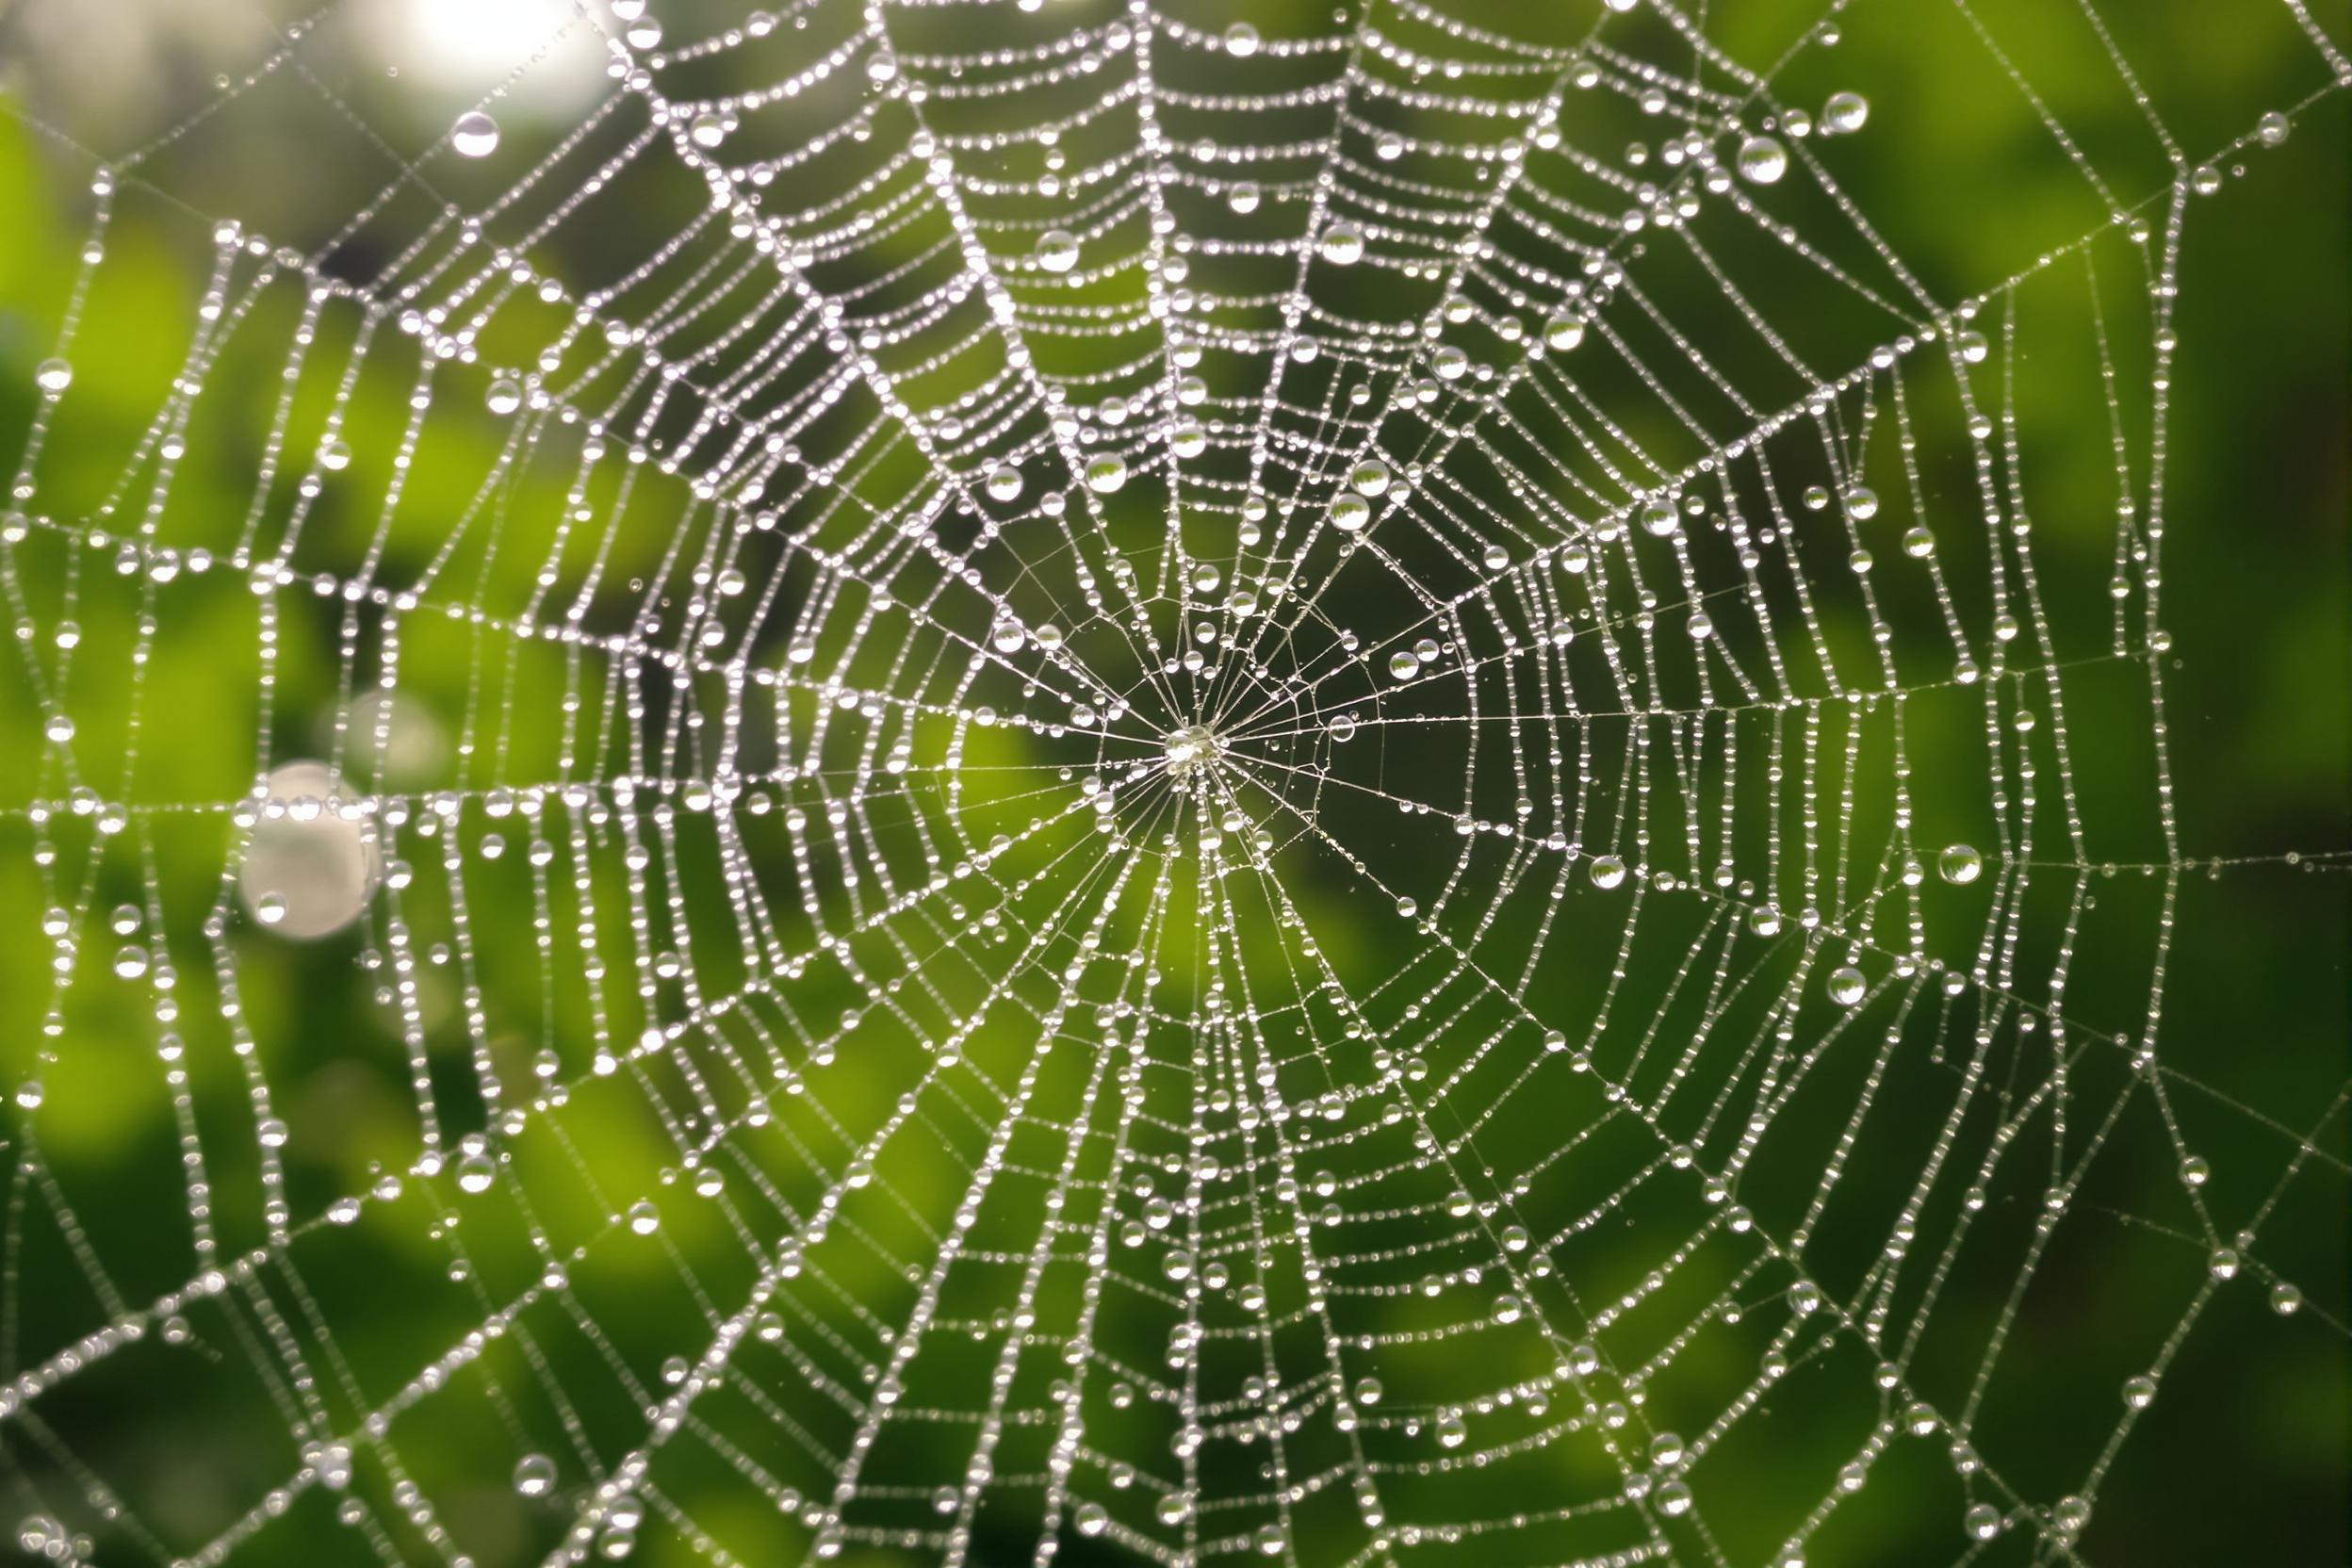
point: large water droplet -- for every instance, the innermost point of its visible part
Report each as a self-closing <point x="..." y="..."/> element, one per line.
<point x="1844" y="112"/>
<point x="534" y="1475"/>
<point x="474" y="136"/>
<point x="1342" y="245"/>
<point x="1762" y="160"/>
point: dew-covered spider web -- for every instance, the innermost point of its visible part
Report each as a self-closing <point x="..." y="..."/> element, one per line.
<point x="943" y="781"/>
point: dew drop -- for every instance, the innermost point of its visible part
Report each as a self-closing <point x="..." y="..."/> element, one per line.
<point x="475" y="134"/>
<point x="1342" y="244"/>
<point x="1058" y="250"/>
<point x="534" y="1475"/>
<point x="1960" y="864"/>
<point x="475" y="1173"/>
<point x="1845" y="112"/>
<point x="1762" y="160"/>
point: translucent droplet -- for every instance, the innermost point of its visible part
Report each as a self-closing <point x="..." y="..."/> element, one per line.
<point x="1093" y="1518"/>
<point x="53" y="375"/>
<point x="1762" y="160"/>
<point x="708" y="131"/>
<point x="1861" y="503"/>
<point x="1058" y="250"/>
<point x="1369" y="478"/>
<point x="1004" y="483"/>
<point x="1106" y="473"/>
<point x="534" y="1475"/>
<point x="1349" y="513"/>
<point x="475" y="1173"/>
<point x="1563" y="332"/>
<point x="1960" y="864"/>
<point x="505" y="396"/>
<point x="1403" y="665"/>
<point x="644" y="1217"/>
<point x="1844" y="112"/>
<point x="1659" y="516"/>
<point x="1341" y="727"/>
<point x="1607" y="871"/>
<point x="269" y="908"/>
<point x="1846" y="986"/>
<point x="474" y="136"/>
<point x="1342" y="244"/>
<point x="130" y="962"/>
<point x="1452" y="1432"/>
<point x="1982" y="1521"/>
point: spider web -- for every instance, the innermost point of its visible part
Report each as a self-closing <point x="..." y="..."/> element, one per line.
<point x="1088" y="781"/>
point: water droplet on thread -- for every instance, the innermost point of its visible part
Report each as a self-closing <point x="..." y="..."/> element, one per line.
<point x="474" y="136"/>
